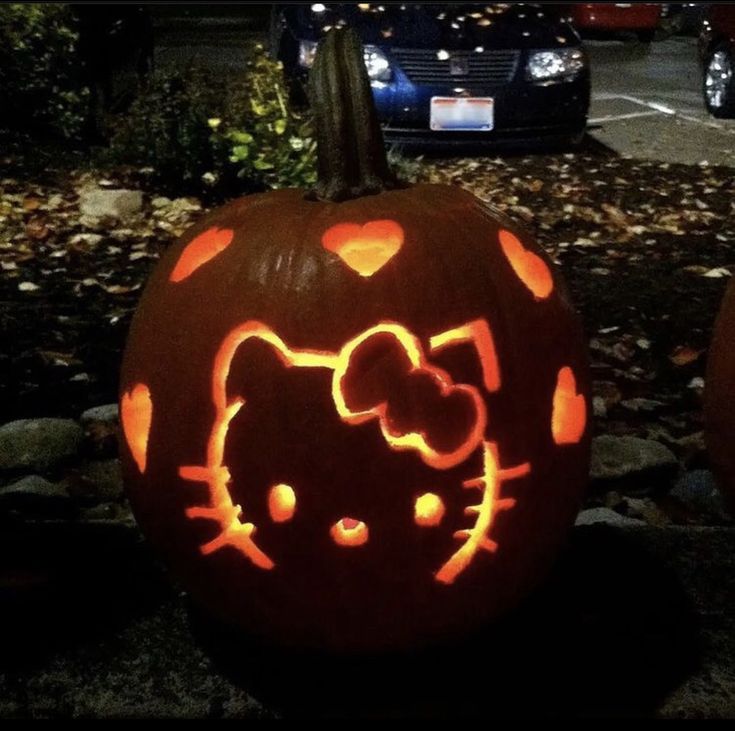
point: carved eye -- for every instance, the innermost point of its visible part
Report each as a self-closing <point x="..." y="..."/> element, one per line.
<point x="281" y="503"/>
<point x="428" y="509"/>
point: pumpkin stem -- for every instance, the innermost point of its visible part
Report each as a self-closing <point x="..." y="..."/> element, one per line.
<point x="351" y="159"/>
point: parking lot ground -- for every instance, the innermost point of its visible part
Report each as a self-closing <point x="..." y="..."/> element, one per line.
<point x="647" y="103"/>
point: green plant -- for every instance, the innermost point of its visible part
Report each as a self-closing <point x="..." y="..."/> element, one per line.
<point x="166" y="129"/>
<point x="202" y="132"/>
<point x="41" y="90"/>
<point x="268" y="140"/>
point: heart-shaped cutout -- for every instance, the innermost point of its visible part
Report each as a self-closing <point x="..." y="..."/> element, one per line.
<point x="530" y="268"/>
<point x="364" y="248"/>
<point x="136" y="413"/>
<point x="569" y="409"/>
<point x="201" y="250"/>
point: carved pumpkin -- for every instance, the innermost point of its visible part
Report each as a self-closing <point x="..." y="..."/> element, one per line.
<point x="719" y="401"/>
<point x="358" y="418"/>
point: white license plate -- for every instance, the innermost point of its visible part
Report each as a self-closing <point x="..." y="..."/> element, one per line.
<point x="462" y="114"/>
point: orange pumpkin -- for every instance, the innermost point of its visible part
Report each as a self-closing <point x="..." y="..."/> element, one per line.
<point x="719" y="397"/>
<point x="355" y="419"/>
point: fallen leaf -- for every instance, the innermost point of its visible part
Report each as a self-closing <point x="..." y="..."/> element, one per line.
<point x="717" y="273"/>
<point x="118" y="288"/>
<point x="37" y="229"/>
<point x="684" y="355"/>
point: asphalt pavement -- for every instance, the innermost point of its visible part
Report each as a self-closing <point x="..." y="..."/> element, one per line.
<point x="647" y="103"/>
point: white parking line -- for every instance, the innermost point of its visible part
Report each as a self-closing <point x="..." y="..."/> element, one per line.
<point x="657" y="109"/>
<point x="616" y="117"/>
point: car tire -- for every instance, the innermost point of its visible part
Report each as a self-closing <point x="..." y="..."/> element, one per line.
<point x="718" y="86"/>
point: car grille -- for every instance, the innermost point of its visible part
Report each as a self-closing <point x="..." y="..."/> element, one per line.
<point x="487" y="67"/>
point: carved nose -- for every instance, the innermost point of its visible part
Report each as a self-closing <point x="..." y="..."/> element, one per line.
<point x="349" y="532"/>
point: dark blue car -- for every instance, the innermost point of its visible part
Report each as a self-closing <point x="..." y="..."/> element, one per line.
<point x="454" y="72"/>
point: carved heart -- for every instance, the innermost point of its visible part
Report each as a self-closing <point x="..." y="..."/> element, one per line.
<point x="530" y="268"/>
<point x="136" y="412"/>
<point x="569" y="409"/>
<point x="365" y="249"/>
<point x="200" y="250"/>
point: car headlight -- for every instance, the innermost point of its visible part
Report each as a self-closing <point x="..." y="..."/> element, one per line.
<point x="376" y="62"/>
<point x="554" y="65"/>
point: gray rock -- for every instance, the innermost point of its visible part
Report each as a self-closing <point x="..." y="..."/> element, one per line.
<point x="698" y="490"/>
<point x="38" y="443"/>
<point x="160" y="202"/>
<point x="107" y="414"/>
<point x="101" y="429"/>
<point x="109" y="513"/>
<point x="34" y="493"/>
<point x="691" y="449"/>
<point x="646" y="510"/>
<point x="599" y="408"/>
<point x="633" y="465"/>
<point x="101" y="481"/>
<point x="115" y="204"/>
<point x="641" y="404"/>
<point x="607" y="516"/>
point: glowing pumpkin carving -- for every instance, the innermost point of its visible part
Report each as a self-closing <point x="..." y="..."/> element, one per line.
<point x="357" y="418"/>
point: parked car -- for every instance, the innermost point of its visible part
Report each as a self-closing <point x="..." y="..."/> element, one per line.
<point x="717" y="52"/>
<point x="454" y="72"/>
<point x="604" y="19"/>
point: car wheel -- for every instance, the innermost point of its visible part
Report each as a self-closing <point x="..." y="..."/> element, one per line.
<point x="719" y="82"/>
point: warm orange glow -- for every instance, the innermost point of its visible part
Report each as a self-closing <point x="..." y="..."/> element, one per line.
<point x="281" y="503"/>
<point x="201" y="250"/>
<point x="477" y="537"/>
<point x="229" y="517"/>
<point x="136" y="414"/>
<point x="233" y="532"/>
<point x="365" y="249"/>
<point x="349" y="532"/>
<point x="428" y="509"/>
<point x="569" y="409"/>
<point x="411" y="440"/>
<point x="530" y="268"/>
<point x="478" y="333"/>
